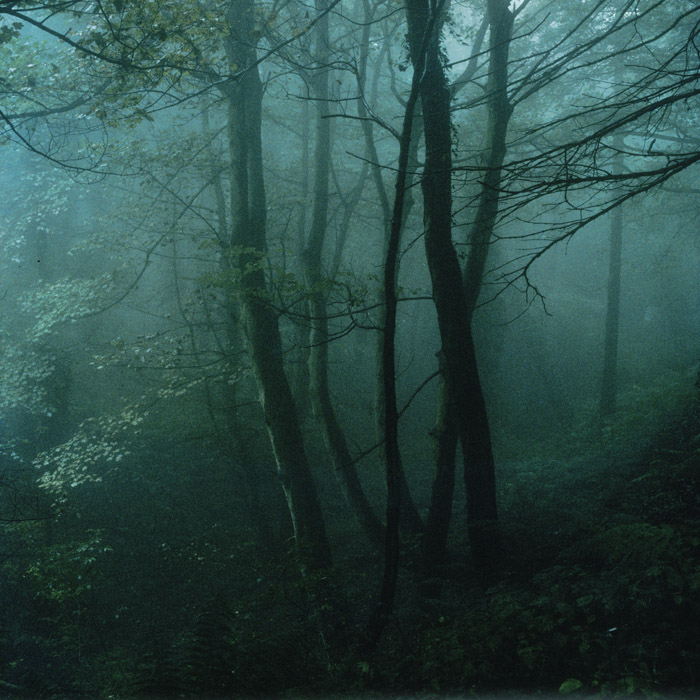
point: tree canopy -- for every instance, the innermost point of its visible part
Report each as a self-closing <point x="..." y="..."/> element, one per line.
<point x="271" y="269"/>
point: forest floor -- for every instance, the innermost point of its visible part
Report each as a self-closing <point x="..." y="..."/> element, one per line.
<point x="599" y="595"/>
<point x="600" y="592"/>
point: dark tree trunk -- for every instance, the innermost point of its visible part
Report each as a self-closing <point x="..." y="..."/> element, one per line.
<point x="445" y="431"/>
<point x="324" y="412"/>
<point x="437" y="526"/>
<point x="394" y="468"/>
<point x="499" y="112"/>
<point x="608" y="392"/>
<point x="300" y="355"/>
<point x="411" y="521"/>
<point x="232" y="431"/>
<point x="457" y="355"/>
<point x="258" y="318"/>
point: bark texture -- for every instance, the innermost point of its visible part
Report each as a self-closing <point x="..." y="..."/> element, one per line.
<point x="258" y="317"/>
<point x="458" y="357"/>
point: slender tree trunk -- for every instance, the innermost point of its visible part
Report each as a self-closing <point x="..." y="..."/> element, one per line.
<point x="445" y="438"/>
<point x="392" y="453"/>
<point x="445" y="431"/>
<point x="479" y="466"/>
<point x="608" y="392"/>
<point x="258" y="318"/>
<point x="457" y="355"/>
<point x="245" y="463"/>
<point x="300" y="368"/>
<point x="322" y="405"/>
<point x="411" y="521"/>
<point x="499" y="112"/>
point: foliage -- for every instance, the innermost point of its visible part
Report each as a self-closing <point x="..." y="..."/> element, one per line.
<point x="97" y="446"/>
<point x="65" y="575"/>
<point x="612" y="624"/>
<point x="24" y="376"/>
<point x="66" y="300"/>
<point x="146" y="546"/>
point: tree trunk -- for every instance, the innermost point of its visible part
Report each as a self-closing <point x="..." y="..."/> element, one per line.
<point x="608" y="391"/>
<point x="479" y="466"/>
<point x="300" y="357"/>
<point x="258" y="318"/>
<point x="457" y="355"/>
<point x="445" y="432"/>
<point x="411" y="521"/>
<point x="392" y="453"/>
<point x="499" y="112"/>
<point x="445" y="437"/>
<point x="322" y="405"/>
<point x="232" y="433"/>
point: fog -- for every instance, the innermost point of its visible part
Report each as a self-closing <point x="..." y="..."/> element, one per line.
<point x="349" y="349"/>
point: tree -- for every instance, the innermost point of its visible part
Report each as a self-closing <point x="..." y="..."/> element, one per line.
<point x="500" y="20"/>
<point x="608" y="393"/>
<point x="390" y="415"/>
<point x="200" y="249"/>
<point x="246" y="249"/>
<point x="341" y="460"/>
<point x="55" y="101"/>
<point x="458" y="357"/>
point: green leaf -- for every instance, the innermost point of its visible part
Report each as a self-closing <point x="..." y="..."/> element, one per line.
<point x="570" y="685"/>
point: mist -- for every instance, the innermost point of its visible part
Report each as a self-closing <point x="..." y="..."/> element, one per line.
<point x="349" y="349"/>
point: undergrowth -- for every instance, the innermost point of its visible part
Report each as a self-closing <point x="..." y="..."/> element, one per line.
<point x="599" y="595"/>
